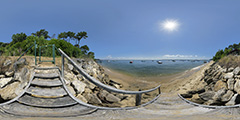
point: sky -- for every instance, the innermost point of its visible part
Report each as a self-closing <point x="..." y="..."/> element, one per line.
<point x="130" y="29"/>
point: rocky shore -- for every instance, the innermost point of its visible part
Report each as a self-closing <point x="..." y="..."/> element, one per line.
<point x="217" y="85"/>
<point x="14" y="76"/>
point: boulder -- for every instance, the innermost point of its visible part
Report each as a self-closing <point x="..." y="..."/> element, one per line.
<point x="227" y="96"/>
<point x="207" y="95"/>
<point x="112" y="98"/>
<point x="2" y="76"/>
<point x="218" y="95"/>
<point x="70" y="66"/>
<point x="235" y="100"/>
<point x="187" y="95"/>
<point x="9" y="92"/>
<point x="237" y="86"/>
<point x="7" y="63"/>
<point x="5" y="81"/>
<point x="93" y="99"/>
<point x="195" y="98"/>
<point x="78" y="86"/>
<point x="9" y="73"/>
<point x="230" y="69"/>
<point x="80" y="97"/>
<point x="219" y="85"/>
<point x="230" y="84"/>
<point x="236" y="71"/>
<point x="71" y="90"/>
<point x="22" y="76"/>
<point x="19" y="63"/>
<point x="228" y="75"/>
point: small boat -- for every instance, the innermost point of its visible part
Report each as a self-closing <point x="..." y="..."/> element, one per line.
<point x="173" y="61"/>
<point x="159" y="62"/>
<point x="131" y="62"/>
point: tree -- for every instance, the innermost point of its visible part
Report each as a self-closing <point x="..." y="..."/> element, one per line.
<point x="18" y="37"/>
<point x="43" y="33"/>
<point x="70" y="35"/>
<point x="81" y="35"/>
<point x="62" y="35"/>
<point x="84" y="49"/>
<point x="91" y="55"/>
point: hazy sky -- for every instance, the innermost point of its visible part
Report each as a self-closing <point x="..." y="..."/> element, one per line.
<point x="130" y="28"/>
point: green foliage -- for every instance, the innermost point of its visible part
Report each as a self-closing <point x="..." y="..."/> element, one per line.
<point x="19" y="37"/>
<point x="40" y="33"/>
<point x="21" y="42"/>
<point x="230" y="50"/>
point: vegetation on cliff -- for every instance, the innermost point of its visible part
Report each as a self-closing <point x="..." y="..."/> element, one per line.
<point x="21" y="42"/>
<point x="230" y="50"/>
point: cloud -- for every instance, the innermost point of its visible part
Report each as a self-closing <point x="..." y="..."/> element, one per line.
<point x="180" y="56"/>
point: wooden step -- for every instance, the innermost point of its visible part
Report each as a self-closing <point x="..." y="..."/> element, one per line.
<point x="49" y="75"/>
<point x="19" y="109"/>
<point x="46" y="102"/>
<point x="46" y="82"/>
<point x="46" y="92"/>
<point x="46" y="68"/>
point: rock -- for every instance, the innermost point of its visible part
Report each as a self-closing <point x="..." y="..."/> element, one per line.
<point x="236" y="71"/>
<point x="187" y="95"/>
<point x="9" y="74"/>
<point x="71" y="90"/>
<point x="8" y="92"/>
<point x="198" y="91"/>
<point x="195" y="98"/>
<point x="237" y="86"/>
<point x="7" y="63"/>
<point x="19" y="63"/>
<point x="227" y="96"/>
<point x="218" y="95"/>
<point x="5" y="81"/>
<point x="80" y="97"/>
<point x="235" y="100"/>
<point x="2" y="76"/>
<point x="224" y="70"/>
<point x="22" y="76"/>
<point x="70" y="66"/>
<point x="78" y="86"/>
<point x="207" y="95"/>
<point x="93" y="99"/>
<point x="230" y="84"/>
<point x="219" y="85"/>
<point x="103" y="94"/>
<point x="230" y="69"/>
<point x="213" y="102"/>
<point x="228" y="75"/>
<point x="112" y="98"/>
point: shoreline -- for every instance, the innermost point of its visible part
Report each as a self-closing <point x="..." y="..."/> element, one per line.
<point x="169" y="83"/>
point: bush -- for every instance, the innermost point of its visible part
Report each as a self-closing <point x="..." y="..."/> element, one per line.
<point x="230" y="50"/>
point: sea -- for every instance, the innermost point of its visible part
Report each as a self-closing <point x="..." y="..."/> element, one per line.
<point x="150" y="68"/>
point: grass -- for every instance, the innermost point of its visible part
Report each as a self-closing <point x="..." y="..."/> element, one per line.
<point x="229" y="61"/>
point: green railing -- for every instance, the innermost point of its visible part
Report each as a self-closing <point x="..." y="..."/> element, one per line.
<point x="26" y="51"/>
<point x="53" y="53"/>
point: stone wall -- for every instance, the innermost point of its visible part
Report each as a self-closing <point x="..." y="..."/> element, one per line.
<point x="220" y="86"/>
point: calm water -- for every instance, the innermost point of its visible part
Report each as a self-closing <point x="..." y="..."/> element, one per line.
<point x="149" y="67"/>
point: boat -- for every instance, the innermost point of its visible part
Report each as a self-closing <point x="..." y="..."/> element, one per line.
<point x="131" y="62"/>
<point x="159" y="62"/>
<point x="173" y="61"/>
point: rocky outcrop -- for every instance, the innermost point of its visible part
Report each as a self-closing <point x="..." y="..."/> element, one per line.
<point x="88" y="92"/>
<point x="13" y="78"/>
<point x="221" y="85"/>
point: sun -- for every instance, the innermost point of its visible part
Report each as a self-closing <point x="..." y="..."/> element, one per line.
<point x="170" y="25"/>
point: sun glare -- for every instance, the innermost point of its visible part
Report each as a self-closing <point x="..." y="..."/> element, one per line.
<point x="170" y="25"/>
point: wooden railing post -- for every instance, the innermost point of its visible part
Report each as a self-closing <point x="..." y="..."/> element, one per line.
<point x="62" y="65"/>
<point x="138" y="99"/>
<point x="159" y="90"/>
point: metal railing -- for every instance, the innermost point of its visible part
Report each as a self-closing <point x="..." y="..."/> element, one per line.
<point x="106" y="87"/>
